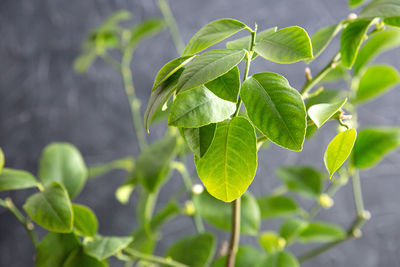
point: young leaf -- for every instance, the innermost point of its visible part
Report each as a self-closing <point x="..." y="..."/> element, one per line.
<point x="212" y="33"/>
<point x="79" y="258"/>
<point x="304" y="180"/>
<point x="354" y="3"/>
<point x="226" y="86"/>
<point x="160" y="96"/>
<point x="373" y="144"/>
<point x="375" y="81"/>
<point x="276" y="109"/>
<point x="145" y="29"/>
<point x="229" y="166"/>
<point x="285" y="46"/>
<point x="199" y="139"/>
<point x="339" y="150"/>
<point x="279" y="259"/>
<point x="271" y="242"/>
<point x="218" y="213"/>
<point x="209" y="66"/>
<point x="277" y="206"/>
<point x="102" y="247"/>
<point x="194" y="251"/>
<point x="54" y="248"/>
<point x="376" y="44"/>
<point x="245" y="256"/>
<point x="326" y="96"/>
<point x="321" y="113"/>
<point x="153" y="172"/>
<point x="321" y="232"/>
<point x="351" y="39"/>
<point x="169" y="69"/>
<point x="322" y="38"/>
<point x="51" y="209"/>
<point x="291" y="228"/>
<point x="85" y="221"/>
<point x="381" y="8"/>
<point x="16" y="179"/>
<point x="114" y="19"/>
<point x="63" y="163"/>
<point x="199" y="107"/>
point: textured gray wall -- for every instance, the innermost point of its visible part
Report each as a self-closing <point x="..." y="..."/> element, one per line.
<point x="43" y="100"/>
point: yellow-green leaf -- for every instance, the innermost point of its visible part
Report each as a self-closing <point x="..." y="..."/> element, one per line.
<point x="321" y="113"/>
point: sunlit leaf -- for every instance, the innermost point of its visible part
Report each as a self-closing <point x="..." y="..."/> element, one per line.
<point x="102" y="247"/>
<point x="321" y="113"/>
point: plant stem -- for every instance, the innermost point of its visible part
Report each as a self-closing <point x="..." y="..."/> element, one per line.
<point x="151" y="258"/>
<point x="233" y="245"/>
<point x="28" y="225"/>
<point x="357" y="194"/>
<point x="171" y="23"/>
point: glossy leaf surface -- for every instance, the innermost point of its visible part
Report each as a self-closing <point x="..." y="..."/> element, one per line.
<point x="102" y="247"/>
<point x="11" y="179"/>
<point x="321" y="113"/>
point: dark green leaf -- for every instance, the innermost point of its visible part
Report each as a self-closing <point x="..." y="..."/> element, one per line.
<point x="279" y="259"/>
<point x="212" y="33"/>
<point x="63" y="163"/>
<point x="276" y="109"/>
<point x="376" y="80"/>
<point x="11" y="179"/>
<point x="219" y="213"/>
<point x="246" y="256"/>
<point x="287" y="45"/>
<point x="277" y="206"/>
<point x="102" y="247"/>
<point x="351" y="39"/>
<point x="209" y="66"/>
<point x="291" y="228"/>
<point x="198" y="139"/>
<point x="226" y="86"/>
<point x="304" y="180"/>
<point x="377" y="43"/>
<point x="79" y="258"/>
<point x="323" y="37"/>
<point x="194" y="251"/>
<point x="85" y="221"/>
<point x="321" y="113"/>
<point x="373" y="144"/>
<point x="54" y="249"/>
<point x="51" y="209"/>
<point x="392" y="21"/>
<point x="321" y="232"/>
<point x="199" y="107"/>
<point x="145" y="29"/>
<point x="381" y="8"/>
<point x="229" y="166"/>
<point x="339" y="150"/>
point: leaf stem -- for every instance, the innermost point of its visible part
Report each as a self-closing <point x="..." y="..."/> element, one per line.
<point x="151" y="258"/>
<point x="234" y="243"/>
<point x="28" y="225"/>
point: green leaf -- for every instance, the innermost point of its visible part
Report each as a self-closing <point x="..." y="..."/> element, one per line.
<point x="212" y="33"/>
<point x="63" y="163"/>
<point x="152" y="172"/>
<point x="373" y="144"/>
<point x="114" y="19"/>
<point x="323" y="37"/>
<point x="1" y="159"/>
<point x="321" y="232"/>
<point x="199" y="139"/>
<point x="376" y="80"/>
<point x="279" y="259"/>
<point x="271" y="242"/>
<point x="54" y="249"/>
<point x="337" y="74"/>
<point x="304" y="180"/>
<point x="11" y="179"/>
<point x="209" y="66"/>
<point x="218" y="213"/>
<point x="291" y="228"/>
<point x="103" y="247"/>
<point x="276" y="109"/>
<point x="83" y="62"/>
<point x="85" y="221"/>
<point x="277" y="206"/>
<point x="285" y="46"/>
<point x="321" y="113"/>
<point x="246" y="256"/>
<point x="169" y="69"/>
<point x="392" y="21"/>
<point x="351" y="39"/>
<point x="381" y="8"/>
<point x="51" y="209"/>
<point x="229" y="166"/>
<point x="145" y="29"/>
<point x="339" y="150"/>
<point x="376" y="44"/>
<point x="194" y="251"/>
<point x="226" y="86"/>
<point x="354" y="3"/>
<point x="79" y="258"/>
<point x="160" y="96"/>
<point x="326" y="96"/>
<point x="199" y="107"/>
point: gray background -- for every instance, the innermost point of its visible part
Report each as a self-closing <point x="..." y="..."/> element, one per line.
<point x="43" y="100"/>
